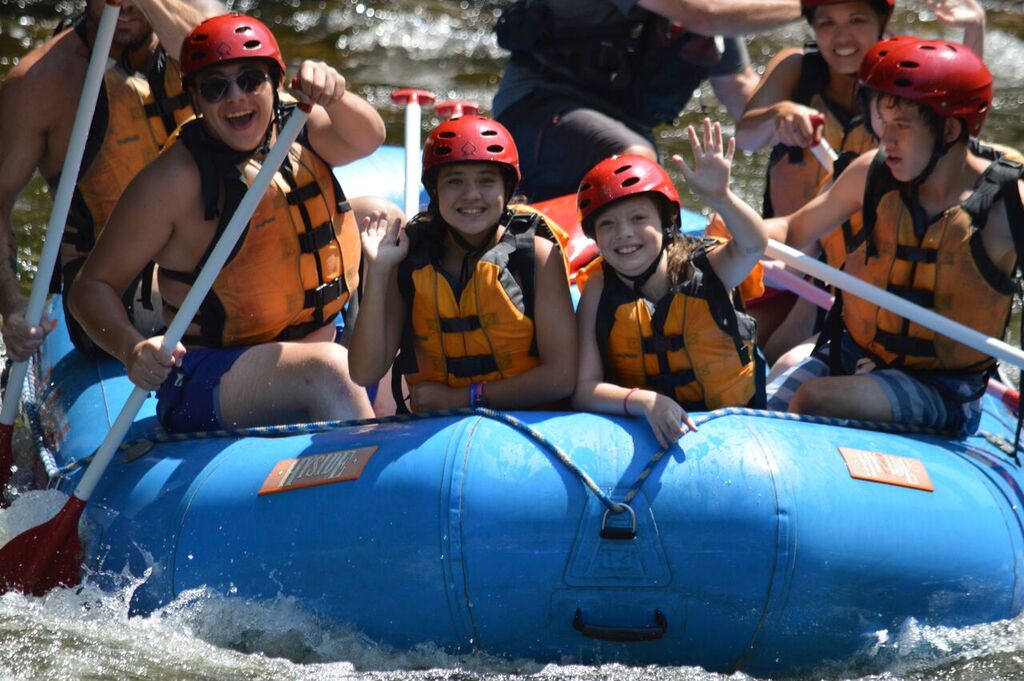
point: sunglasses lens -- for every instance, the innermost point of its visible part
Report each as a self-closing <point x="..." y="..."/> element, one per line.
<point x="250" y="81"/>
<point x="214" y="88"/>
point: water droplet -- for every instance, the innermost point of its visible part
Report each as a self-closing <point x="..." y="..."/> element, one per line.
<point x="190" y="556"/>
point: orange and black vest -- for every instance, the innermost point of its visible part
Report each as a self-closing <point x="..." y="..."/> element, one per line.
<point x="938" y="263"/>
<point x="482" y="331"/>
<point x="297" y="262"/>
<point x="694" y="345"/>
<point x="794" y="175"/>
<point x="135" y="115"/>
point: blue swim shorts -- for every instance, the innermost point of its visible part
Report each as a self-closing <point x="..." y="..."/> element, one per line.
<point x="942" y="401"/>
<point x="189" y="400"/>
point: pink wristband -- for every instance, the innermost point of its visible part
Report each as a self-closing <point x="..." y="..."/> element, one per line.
<point x="625" y="401"/>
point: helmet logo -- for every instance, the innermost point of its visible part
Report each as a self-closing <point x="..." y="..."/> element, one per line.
<point x="223" y="50"/>
<point x="469" y="149"/>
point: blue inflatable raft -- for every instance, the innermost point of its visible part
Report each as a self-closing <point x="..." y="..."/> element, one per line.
<point x="764" y="542"/>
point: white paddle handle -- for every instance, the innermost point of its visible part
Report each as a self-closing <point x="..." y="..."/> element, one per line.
<point x="915" y="313"/>
<point x="413" y="115"/>
<point x="196" y="294"/>
<point x="62" y="199"/>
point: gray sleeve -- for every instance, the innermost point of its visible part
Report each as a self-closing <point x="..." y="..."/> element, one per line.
<point x="624" y="6"/>
<point x="735" y="57"/>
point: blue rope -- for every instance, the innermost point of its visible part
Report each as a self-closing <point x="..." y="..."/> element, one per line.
<point x="533" y="434"/>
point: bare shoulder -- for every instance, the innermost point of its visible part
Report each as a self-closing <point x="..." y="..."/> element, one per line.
<point x="48" y="80"/>
<point x="168" y="184"/>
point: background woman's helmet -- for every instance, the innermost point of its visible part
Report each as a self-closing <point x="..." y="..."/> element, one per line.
<point x="945" y="76"/>
<point x="469" y="139"/>
<point x="620" y="177"/>
<point x="227" y="38"/>
<point x="884" y="7"/>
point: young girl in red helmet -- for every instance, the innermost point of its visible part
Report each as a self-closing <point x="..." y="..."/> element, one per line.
<point x="660" y="329"/>
<point x="807" y="95"/>
<point x="474" y="302"/>
<point x="936" y="232"/>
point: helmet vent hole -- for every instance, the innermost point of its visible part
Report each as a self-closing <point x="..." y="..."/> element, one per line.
<point x="200" y="38"/>
<point x="585" y="202"/>
<point x="622" y="169"/>
<point x="252" y="44"/>
<point x="585" y="187"/>
<point x="909" y="65"/>
<point x="489" y="133"/>
<point x="630" y="181"/>
<point x="927" y="47"/>
<point x="444" y="150"/>
<point x="495" y="148"/>
<point x="903" y="82"/>
<point x="883" y="53"/>
<point x="447" y="134"/>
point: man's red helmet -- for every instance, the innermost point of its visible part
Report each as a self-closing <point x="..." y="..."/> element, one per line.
<point x="468" y="139"/>
<point x="944" y="76"/>
<point x="620" y="177"/>
<point x="227" y="38"/>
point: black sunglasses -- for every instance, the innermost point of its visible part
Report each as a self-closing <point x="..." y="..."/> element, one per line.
<point x="213" y="88"/>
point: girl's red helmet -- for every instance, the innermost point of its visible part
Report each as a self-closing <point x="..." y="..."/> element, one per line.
<point x="619" y="177"/>
<point x="945" y="76"/>
<point x="468" y="139"/>
<point x="226" y="38"/>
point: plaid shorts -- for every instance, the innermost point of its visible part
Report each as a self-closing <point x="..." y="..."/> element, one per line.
<point x="945" y="402"/>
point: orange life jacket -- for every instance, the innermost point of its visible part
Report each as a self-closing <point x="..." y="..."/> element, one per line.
<point x="135" y="115"/>
<point x="483" y="332"/>
<point x="794" y="175"/>
<point x="939" y="265"/>
<point x="297" y="262"/>
<point x="693" y="345"/>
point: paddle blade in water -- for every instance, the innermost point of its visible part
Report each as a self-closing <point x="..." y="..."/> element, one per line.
<point x="45" y="556"/>
<point x="6" y="460"/>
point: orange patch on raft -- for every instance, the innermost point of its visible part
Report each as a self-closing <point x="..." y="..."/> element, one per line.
<point x="321" y="469"/>
<point x="888" y="469"/>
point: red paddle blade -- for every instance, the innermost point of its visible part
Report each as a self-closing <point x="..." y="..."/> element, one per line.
<point x="6" y="460"/>
<point x="46" y="556"/>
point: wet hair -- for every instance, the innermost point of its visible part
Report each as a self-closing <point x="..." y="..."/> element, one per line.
<point x="679" y="251"/>
<point x="932" y="120"/>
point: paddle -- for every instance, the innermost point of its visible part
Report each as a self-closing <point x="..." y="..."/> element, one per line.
<point x="48" y="555"/>
<point x="454" y="108"/>
<point x="823" y="151"/>
<point x="412" y="100"/>
<point x="55" y="228"/>
<point x="915" y="313"/>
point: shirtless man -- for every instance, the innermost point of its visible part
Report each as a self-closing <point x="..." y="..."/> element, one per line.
<point x="260" y="350"/>
<point x="35" y="129"/>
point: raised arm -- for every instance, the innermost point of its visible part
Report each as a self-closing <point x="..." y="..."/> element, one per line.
<point x="726" y="17"/>
<point x="378" y="328"/>
<point x="343" y="127"/>
<point x="172" y="20"/>
<point x="709" y="179"/>
<point x="966" y="14"/>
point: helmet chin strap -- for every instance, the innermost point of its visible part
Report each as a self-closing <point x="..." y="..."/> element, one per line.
<point x="471" y="252"/>
<point x="264" y="148"/>
<point x="667" y="236"/>
<point x="939" y="149"/>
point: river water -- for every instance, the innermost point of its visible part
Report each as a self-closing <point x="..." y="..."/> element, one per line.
<point x="445" y="46"/>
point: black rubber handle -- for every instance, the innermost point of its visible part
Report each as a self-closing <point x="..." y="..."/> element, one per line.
<point x="622" y="634"/>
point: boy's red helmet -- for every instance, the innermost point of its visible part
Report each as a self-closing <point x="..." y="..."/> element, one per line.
<point x="619" y="177"/>
<point x="225" y="38"/>
<point x="944" y="76"/>
<point x="468" y="139"/>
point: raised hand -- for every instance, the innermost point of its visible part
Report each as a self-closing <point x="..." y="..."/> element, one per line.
<point x="384" y="241"/>
<point x="958" y="13"/>
<point x="318" y="83"/>
<point x="709" y="177"/>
